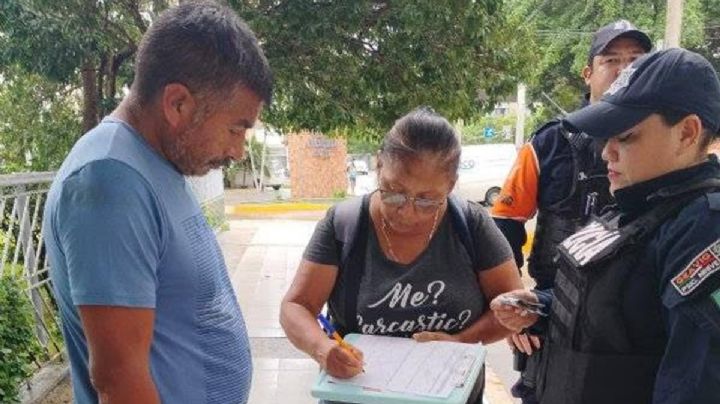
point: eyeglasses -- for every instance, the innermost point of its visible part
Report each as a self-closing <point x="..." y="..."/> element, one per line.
<point x="397" y="199"/>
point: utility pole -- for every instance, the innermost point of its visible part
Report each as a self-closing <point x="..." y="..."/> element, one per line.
<point x="673" y="24"/>
<point x="262" y="160"/>
<point x="520" y="125"/>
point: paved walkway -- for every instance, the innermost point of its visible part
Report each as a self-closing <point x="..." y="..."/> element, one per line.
<point x="262" y="256"/>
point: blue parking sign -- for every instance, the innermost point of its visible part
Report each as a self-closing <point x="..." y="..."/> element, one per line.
<point x="488" y="132"/>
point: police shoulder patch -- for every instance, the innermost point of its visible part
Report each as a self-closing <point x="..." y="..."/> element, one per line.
<point x="700" y="268"/>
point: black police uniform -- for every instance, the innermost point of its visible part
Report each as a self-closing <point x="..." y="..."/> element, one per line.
<point x="573" y="184"/>
<point x="636" y="312"/>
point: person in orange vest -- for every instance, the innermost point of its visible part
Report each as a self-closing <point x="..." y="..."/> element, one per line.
<point x="560" y="176"/>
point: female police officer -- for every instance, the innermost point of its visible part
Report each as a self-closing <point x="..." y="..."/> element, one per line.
<point x="635" y="314"/>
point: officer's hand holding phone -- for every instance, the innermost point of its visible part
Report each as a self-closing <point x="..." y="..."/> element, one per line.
<point x="517" y="309"/>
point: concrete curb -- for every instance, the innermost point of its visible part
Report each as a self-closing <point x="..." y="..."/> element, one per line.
<point x="274" y="208"/>
<point x="43" y="382"/>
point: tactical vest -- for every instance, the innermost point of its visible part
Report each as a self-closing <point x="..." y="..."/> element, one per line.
<point x="589" y="193"/>
<point x="589" y="356"/>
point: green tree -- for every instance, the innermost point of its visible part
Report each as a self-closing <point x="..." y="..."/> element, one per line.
<point x="343" y="67"/>
<point x="710" y="46"/>
<point x="353" y="67"/>
<point x="559" y="33"/>
<point x="362" y="143"/>
<point x="86" y="44"/>
<point x="39" y="122"/>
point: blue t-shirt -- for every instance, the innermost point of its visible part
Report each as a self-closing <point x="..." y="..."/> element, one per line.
<point x="123" y="228"/>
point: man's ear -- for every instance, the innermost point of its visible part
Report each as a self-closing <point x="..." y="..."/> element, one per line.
<point x="379" y="162"/>
<point x="586" y="73"/>
<point x="178" y="105"/>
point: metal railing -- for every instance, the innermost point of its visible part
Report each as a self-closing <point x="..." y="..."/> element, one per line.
<point x="22" y="252"/>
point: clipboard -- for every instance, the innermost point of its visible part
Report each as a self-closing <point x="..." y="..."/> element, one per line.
<point x="326" y="390"/>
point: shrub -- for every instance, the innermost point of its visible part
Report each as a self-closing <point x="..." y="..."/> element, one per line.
<point x="18" y="345"/>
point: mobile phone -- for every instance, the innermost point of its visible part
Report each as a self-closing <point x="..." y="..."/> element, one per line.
<point x="530" y="307"/>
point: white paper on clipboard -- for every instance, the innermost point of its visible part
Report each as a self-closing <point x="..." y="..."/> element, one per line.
<point x="403" y="365"/>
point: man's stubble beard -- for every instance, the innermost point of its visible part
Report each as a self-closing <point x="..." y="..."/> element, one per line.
<point x="179" y="152"/>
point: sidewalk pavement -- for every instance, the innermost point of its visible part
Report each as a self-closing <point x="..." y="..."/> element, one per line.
<point x="262" y="256"/>
<point x="262" y="246"/>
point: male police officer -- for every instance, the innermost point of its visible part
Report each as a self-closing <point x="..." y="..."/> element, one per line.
<point x="636" y="305"/>
<point x="561" y="175"/>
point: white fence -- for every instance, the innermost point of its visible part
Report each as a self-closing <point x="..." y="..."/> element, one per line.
<point x="22" y="198"/>
<point x="22" y="251"/>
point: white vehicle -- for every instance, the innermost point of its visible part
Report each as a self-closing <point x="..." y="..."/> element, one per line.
<point x="366" y="183"/>
<point x="361" y="167"/>
<point x="275" y="174"/>
<point x="482" y="171"/>
<point x="277" y="166"/>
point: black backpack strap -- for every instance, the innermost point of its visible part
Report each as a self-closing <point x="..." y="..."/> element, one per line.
<point x="351" y="223"/>
<point x="345" y="224"/>
<point x="464" y="223"/>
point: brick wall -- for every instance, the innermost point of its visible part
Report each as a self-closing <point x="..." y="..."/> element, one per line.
<point x="317" y="165"/>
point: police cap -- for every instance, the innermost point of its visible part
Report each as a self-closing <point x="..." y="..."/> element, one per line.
<point x="670" y="80"/>
<point x="614" y="30"/>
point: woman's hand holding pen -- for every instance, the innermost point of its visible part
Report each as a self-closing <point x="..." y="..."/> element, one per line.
<point x="338" y="358"/>
<point x="339" y="361"/>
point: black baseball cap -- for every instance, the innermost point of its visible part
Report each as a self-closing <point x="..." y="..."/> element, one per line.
<point x="670" y="80"/>
<point x="614" y="30"/>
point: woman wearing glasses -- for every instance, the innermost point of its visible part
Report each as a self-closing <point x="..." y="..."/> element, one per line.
<point x="415" y="262"/>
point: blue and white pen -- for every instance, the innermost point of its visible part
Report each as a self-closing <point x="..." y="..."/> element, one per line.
<point x="330" y="330"/>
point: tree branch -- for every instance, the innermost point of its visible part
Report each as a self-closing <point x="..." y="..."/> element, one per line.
<point x="133" y="7"/>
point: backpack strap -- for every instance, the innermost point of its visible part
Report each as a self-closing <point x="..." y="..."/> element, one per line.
<point x="351" y="223"/>
<point x="464" y="223"/>
<point x="345" y="223"/>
